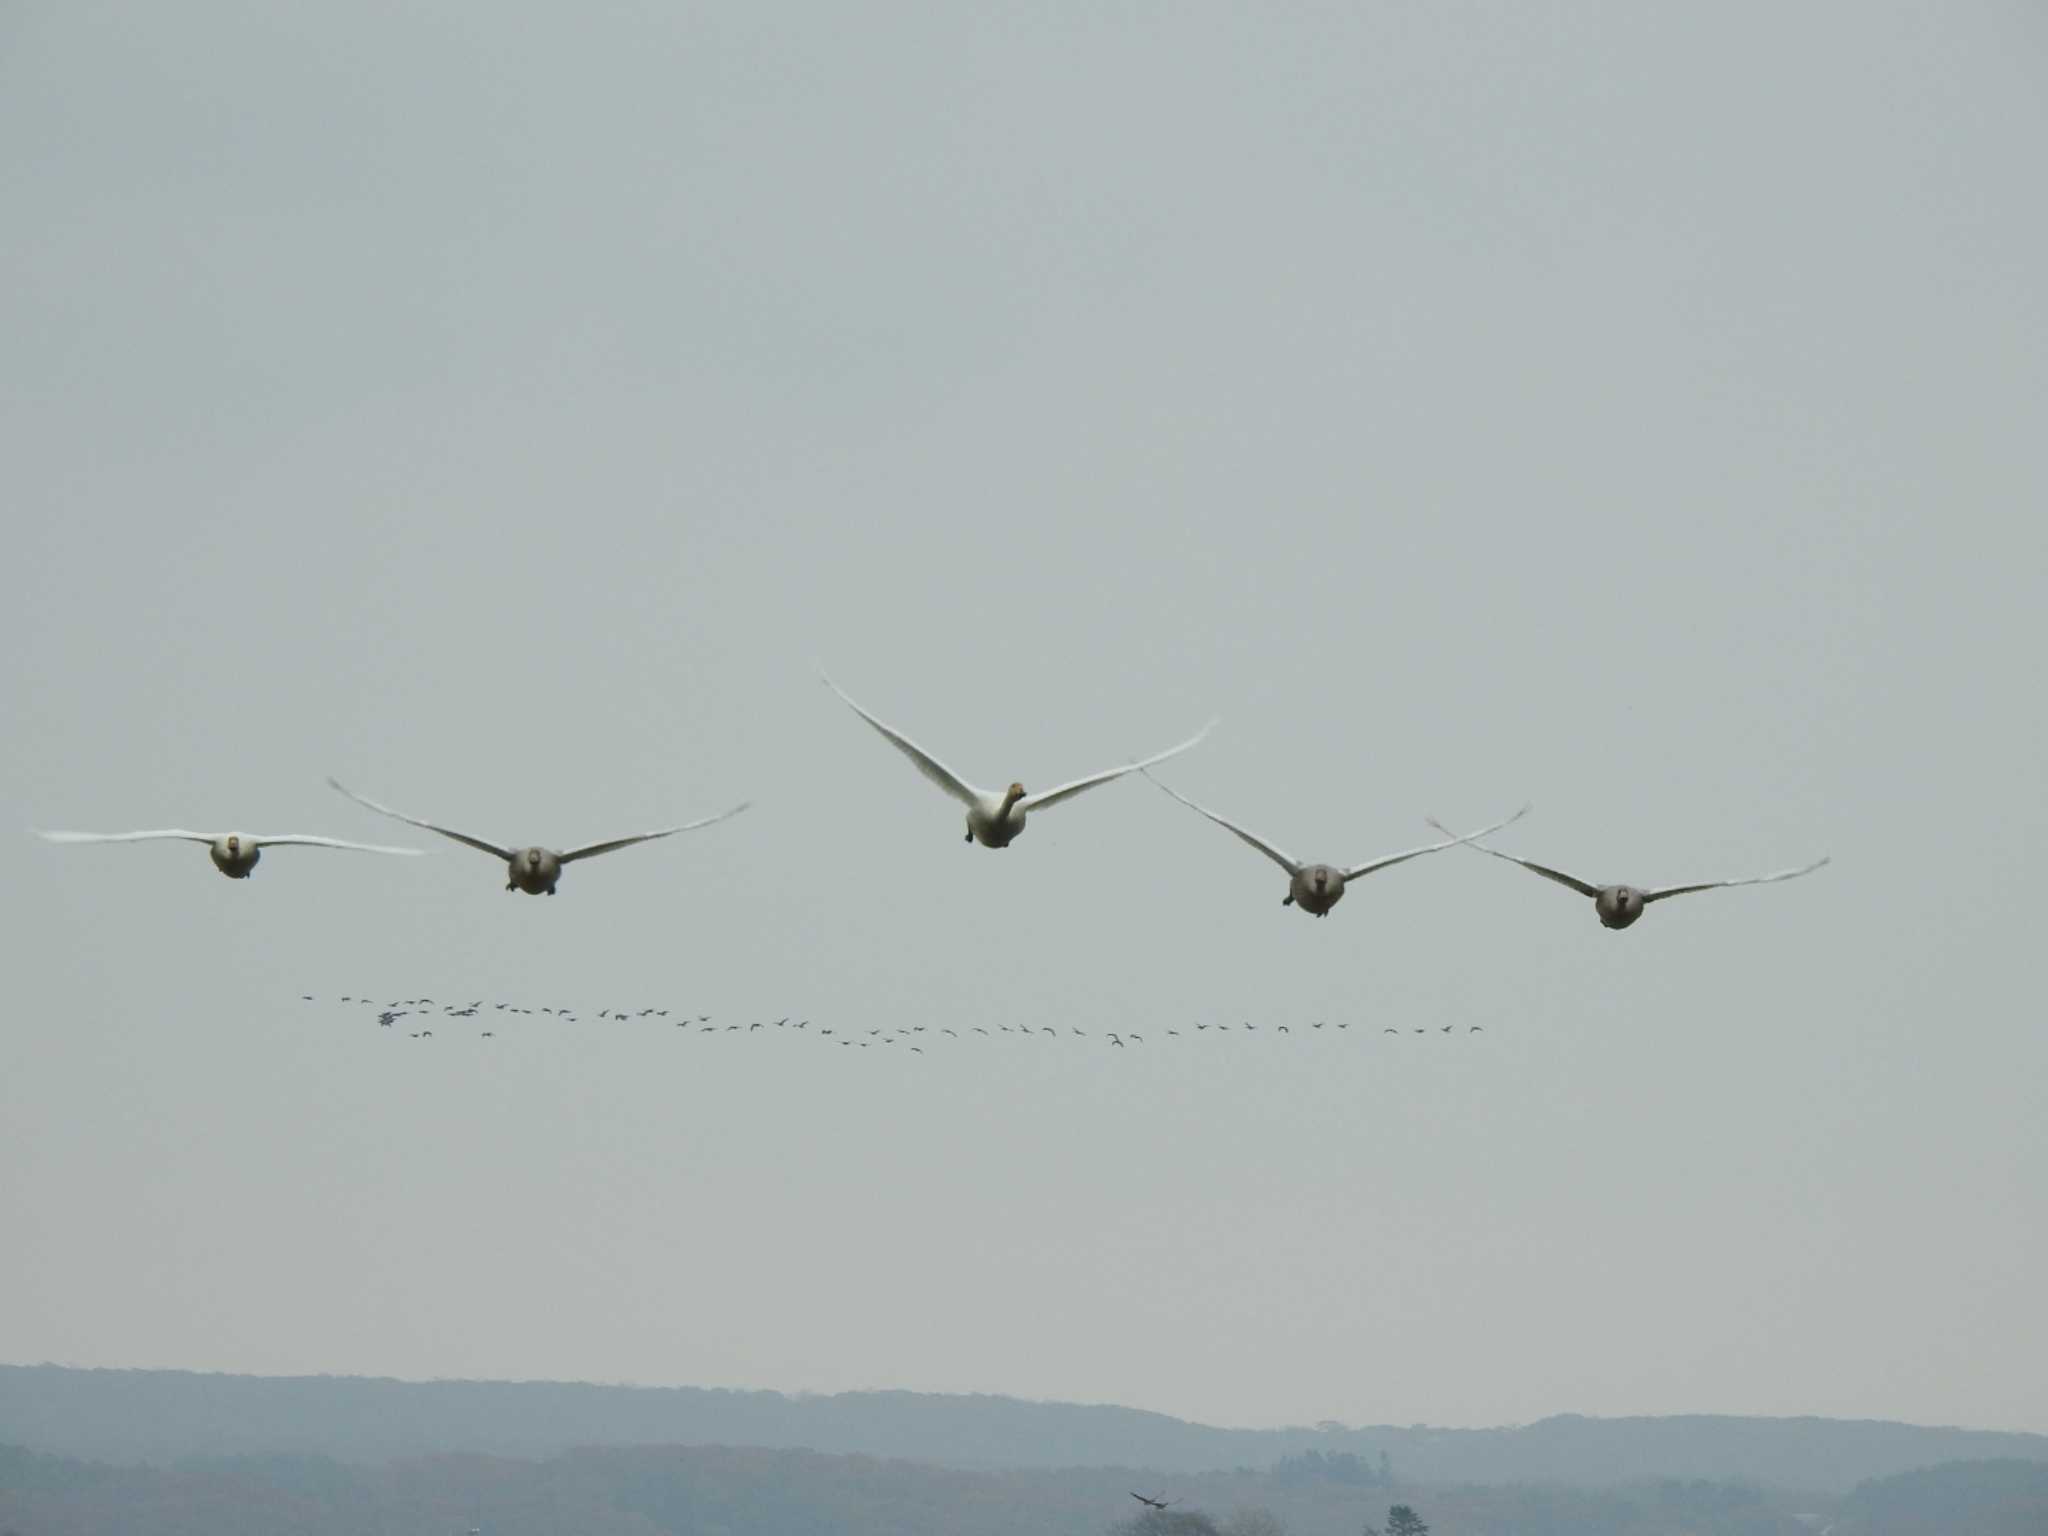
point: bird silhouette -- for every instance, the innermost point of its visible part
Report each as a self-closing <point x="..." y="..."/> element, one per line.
<point x="1617" y="906"/>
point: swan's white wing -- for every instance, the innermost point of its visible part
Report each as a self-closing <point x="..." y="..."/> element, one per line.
<point x="591" y="850"/>
<point x="1285" y="861"/>
<point x="1530" y="864"/>
<point x="301" y="839"/>
<point x="129" y="837"/>
<point x="927" y="765"/>
<point x="1039" y="802"/>
<point x="1452" y="841"/>
<point x="1715" y="885"/>
<point x="426" y="826"/>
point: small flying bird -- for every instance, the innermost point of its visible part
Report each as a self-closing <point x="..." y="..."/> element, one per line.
<point x="534" y="870"/>
<point x="1619" y="905"/>
<point x="234" y="854"/>
<point x="994" y="820"/>
<point x="1155" y="1503"/>
<point x="1316" y="888"/>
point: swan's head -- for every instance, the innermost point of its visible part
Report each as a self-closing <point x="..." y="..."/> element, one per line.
<point x="1016" y="791"/>
<point x="533" y="858"/>
<point x="234" y="841"/>
<point x="1320" y="879"/>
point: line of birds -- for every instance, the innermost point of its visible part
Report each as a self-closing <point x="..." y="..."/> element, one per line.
<point x="421" y="1009"/>
<point x="994" y="820"/>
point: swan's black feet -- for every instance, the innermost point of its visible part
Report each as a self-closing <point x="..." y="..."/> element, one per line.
<point x="510" y="886"/>
<point x="1286" y="901"/>
<point x="551" y="890"/>
<point x="970" y="837"/>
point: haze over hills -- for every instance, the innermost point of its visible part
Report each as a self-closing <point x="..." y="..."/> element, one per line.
<point x="725" y="1491"/>
<point x="165" y="1416"/>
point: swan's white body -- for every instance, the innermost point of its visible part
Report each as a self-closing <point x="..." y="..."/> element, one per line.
<point x="534" y="870"/>
<point x="1617" y="906"/>
<point x="995" y="820"/>
<point x="234" y="854"/>
<point x="1315" y="888"/>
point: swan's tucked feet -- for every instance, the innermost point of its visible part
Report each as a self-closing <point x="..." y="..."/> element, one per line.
<point x="970" y="837"/>
<point x="1286" y="901"/>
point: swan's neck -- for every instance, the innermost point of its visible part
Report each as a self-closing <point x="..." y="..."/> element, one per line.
<point x="1010" y="798"/>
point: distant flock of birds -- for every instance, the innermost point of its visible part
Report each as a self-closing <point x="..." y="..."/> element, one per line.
<point x="993" y="820"/>
<point x="422" y="1011"/>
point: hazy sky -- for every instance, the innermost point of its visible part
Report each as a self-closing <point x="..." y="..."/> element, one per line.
<point x="1634" y="409"/>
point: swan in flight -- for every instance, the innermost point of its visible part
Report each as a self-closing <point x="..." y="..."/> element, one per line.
<point x="1620" y="905"/>
<point x="1315" y="888"/>
<point x="534" y="870"/>
<point x="234" y="854"/>
<point x="994" y="820"/>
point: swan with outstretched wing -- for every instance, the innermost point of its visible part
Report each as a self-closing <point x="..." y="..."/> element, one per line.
<point x="1619" y="905"/>
<point x="534" y="870"/>
<point x="995" y="820"/>
<point x="1315" y="888"/>
<point x="234" y="854"/>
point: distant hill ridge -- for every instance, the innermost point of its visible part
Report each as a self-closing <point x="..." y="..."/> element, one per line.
<point x="164" y="1416"/>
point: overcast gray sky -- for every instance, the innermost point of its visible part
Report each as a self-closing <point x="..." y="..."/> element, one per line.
<point x="1637" y="410"/>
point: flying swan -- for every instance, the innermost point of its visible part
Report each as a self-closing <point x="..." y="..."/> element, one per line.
<point x="1315" y="888"/>
<point x="1620" y="905"/>
<point x="234" y="854"/>
<point x="995" y="820"/>
<point x="534" y="870"/>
